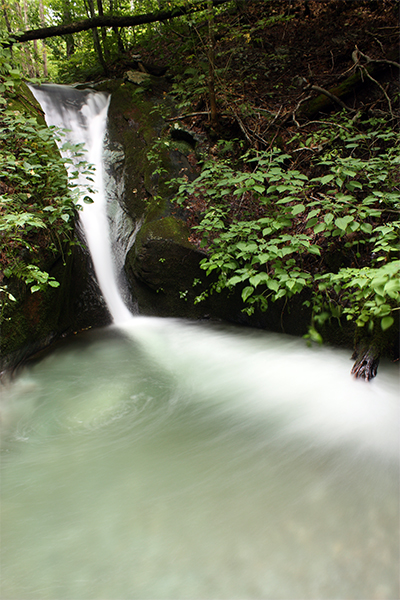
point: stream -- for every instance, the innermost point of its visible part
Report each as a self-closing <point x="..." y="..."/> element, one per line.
<point x="176" y="460"/>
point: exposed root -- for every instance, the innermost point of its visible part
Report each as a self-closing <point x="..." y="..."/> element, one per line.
<point x="366" y="362"/>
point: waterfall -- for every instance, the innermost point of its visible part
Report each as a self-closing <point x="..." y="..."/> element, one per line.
<point x="84" y="115"/>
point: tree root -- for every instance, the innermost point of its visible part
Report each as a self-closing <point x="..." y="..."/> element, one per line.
<point x="366" y="362"/>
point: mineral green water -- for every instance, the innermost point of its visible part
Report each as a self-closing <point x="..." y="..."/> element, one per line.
<point x="170" y="460"/>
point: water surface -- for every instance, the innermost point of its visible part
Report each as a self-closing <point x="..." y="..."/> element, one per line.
<point x="171" y="460"/>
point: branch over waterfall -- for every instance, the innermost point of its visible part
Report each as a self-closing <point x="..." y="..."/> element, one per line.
<point x="112" y="21"/>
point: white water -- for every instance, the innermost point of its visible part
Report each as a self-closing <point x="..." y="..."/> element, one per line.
<point x="84" y="114"/>
<point x="180" y="460"/>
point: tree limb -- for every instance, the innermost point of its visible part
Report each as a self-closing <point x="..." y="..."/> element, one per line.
<point x="110" y="21"/>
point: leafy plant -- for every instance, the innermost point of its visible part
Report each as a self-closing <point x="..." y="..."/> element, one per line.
<point x="272" y="230"/>
<point x="38" y="203"/>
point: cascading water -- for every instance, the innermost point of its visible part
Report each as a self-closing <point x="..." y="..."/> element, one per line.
<point x="84" y="115"/>
<point x="174" y="460"/>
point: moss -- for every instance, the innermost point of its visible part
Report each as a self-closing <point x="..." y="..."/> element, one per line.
<point x="24" y="101"/>
<point x="167" y="228"/>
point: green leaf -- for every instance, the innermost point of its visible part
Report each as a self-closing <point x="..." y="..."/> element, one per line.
<point x="273" y="285"/>
<point x="353" y="185"/>
<point x="314" y="335"/>
<point x="319" y="227"/>
<point x="366" y="227"/>
<point x="326" y="179"/>
<point x="247" y="292"/>
<point x="247" y="246"/>
<point x="343" y="222"/>
<point x="259" y="278"/>
<point x="386" y="322"/>
<point x="234" y="280"/>
<point x="392" y="288"/>
<point x="328" y="218"/>
<point x="312" y="222"/>
<point x="299" y="208"/>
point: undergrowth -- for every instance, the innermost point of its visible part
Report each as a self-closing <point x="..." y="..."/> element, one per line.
<point x="274" y="230"/>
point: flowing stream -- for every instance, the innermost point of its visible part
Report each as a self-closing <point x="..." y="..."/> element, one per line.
<point x="165" y="459"/>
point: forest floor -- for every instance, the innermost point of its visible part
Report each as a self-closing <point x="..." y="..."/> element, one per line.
<point x="268" y="55"/>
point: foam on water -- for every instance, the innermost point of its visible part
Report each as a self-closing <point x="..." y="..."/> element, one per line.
<point x="281" y="375"/>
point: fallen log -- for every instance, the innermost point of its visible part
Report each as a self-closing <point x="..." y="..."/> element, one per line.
<point x="327" y="98"/>
<point x="110" y="21"/>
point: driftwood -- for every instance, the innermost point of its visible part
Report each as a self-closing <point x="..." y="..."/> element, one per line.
<point x="111" y="21"/>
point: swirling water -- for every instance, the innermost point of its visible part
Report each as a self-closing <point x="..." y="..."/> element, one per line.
<point x="176" y="460"/>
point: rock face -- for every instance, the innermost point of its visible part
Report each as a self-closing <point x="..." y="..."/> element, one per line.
<point x="35" y="320"/>
<point x="161" y="265"/>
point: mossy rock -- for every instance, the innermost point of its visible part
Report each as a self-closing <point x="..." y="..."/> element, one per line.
<point x="35" y="320"/>
<point x="135" y="124"/>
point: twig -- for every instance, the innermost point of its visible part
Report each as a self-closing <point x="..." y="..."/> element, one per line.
<point x="376" y="39"/>
<point x="304" y="148"/>
<point x="375" y="60"/>
<point x="243" y="128"/>
<point x="365" y="71"/>
<point x="325" y="123"/>
<point x="194" y="114"/>
<point x="296" y="108"/>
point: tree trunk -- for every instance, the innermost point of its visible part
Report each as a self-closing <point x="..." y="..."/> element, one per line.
<point x="96" y="40"/>
<point x="5" y="14"/>
<point x="103" y="30"/>
<point x="27" y="60"/>
<point x="69" y="39"/>
<point x="116" y="31"/>
<point x="44" y="51"/>
<point x="323" y="101"/>
<point x="211" y="64"/>
<point x="36" y="58"/>
<point x="366" y="364"/>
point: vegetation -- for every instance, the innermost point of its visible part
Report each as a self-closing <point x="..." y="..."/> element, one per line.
<point x="273" y="230"/>
<point x="37" y="202"/>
